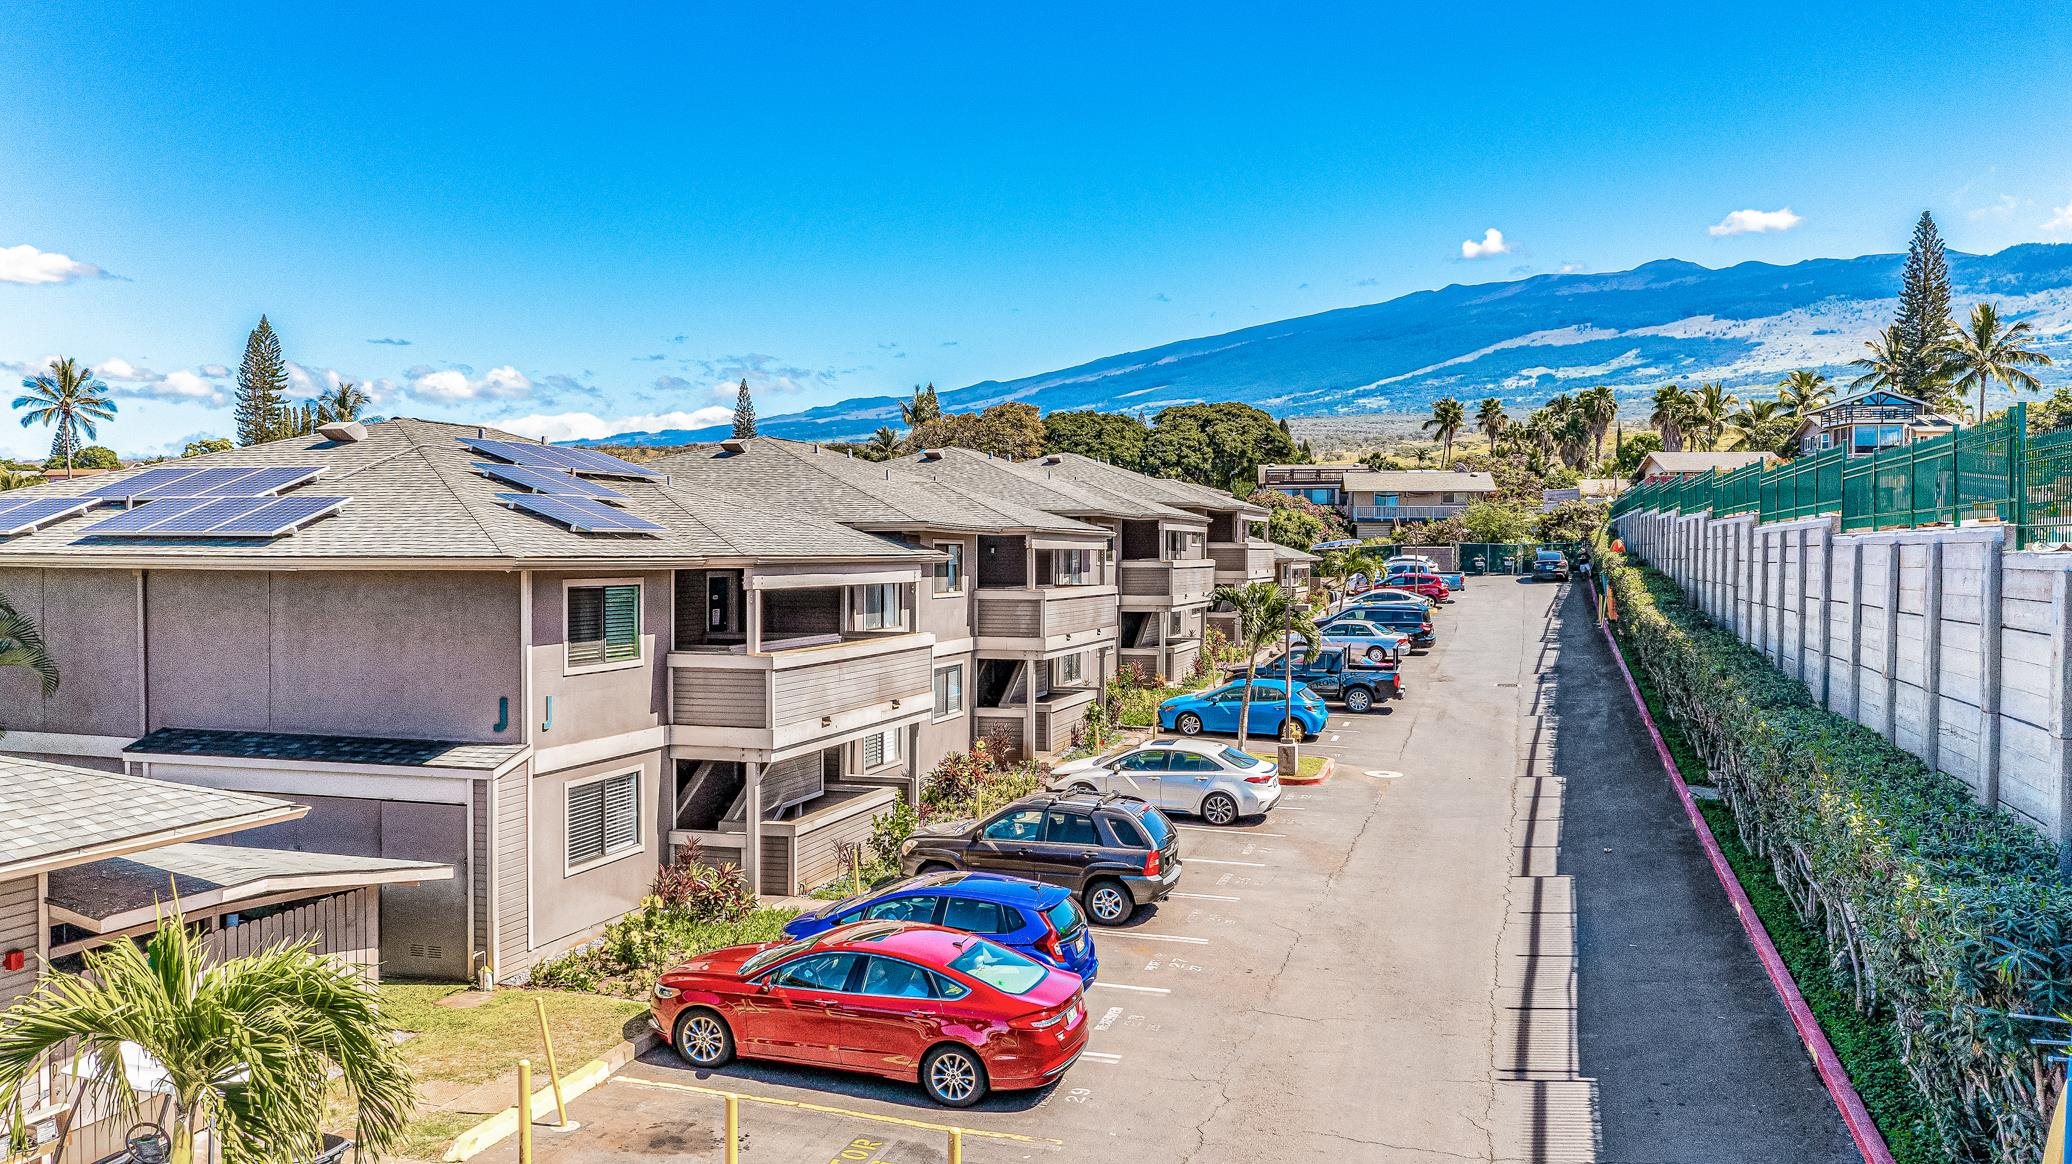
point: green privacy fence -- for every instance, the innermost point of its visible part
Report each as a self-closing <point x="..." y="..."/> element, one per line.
<point x="1990" y="472"/>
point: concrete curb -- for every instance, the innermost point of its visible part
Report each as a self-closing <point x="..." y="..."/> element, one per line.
<point x="487" y="1133"/>
<point x="1862" y="1129"/>
<point x="1323" y="773"/>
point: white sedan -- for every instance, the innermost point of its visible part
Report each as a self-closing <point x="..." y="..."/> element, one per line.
<point x="1360" y="638"/>
<point x="1214" y="781"/>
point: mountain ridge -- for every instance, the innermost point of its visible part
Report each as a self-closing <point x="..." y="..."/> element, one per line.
<point x="1522" y="340"/>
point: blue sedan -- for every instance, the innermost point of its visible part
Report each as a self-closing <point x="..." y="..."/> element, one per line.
<point x="1216" y="710"/>
<point x="1029" y="917"/>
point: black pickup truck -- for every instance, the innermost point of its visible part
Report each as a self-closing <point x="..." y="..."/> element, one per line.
<point x="1357" y="684"/>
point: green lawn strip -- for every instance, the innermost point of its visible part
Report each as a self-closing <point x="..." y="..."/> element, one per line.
<point x="1867" y="1047"/>
<point x="1311" y="764"/>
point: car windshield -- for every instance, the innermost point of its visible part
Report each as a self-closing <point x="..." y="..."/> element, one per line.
<point x="999" y="967"/>
<point x="1237" y="759"/>
<point x="774" y="954"/>
<point x="1155" y="823"/>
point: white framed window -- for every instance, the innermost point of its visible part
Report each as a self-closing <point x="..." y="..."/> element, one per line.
<point x="603" y="821"/>
<point x="882" y="748"/>
<point x="949" y="575"/>
<point x="879" y="607"/>
<point x="1073" y="567"/>
<point x="603" y="625"/>
<point x="1070" y="671"/>
<point x="949" y="691"/>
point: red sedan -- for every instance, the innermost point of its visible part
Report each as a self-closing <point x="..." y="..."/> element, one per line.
<point x="1427" y="585"/>
<point x="954" y="1012"/>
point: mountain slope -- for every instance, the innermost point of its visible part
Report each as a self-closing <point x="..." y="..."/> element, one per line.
<point x="1523" y="340"/>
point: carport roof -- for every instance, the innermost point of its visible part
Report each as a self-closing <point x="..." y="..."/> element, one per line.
<point x="125" y="891"/>
<point x="377" y="750"/>
<point x="59" y="815"/>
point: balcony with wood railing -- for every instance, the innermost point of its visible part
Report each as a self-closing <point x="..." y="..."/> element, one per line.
<point x="1047" y="618"/>
<point x="797" y="690"/>
<point x="1238" y="564"/>
<point x="1153" y="583"/>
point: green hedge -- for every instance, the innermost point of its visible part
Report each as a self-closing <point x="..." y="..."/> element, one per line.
<point x="1941" y="917"/>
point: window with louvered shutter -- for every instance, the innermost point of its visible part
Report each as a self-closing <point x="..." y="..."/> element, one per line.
<point x="874" y="751"/>
<point x="603" y="625"/>
<point x="603" y="818"/>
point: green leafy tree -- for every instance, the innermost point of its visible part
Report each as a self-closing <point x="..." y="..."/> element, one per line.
<point x="1803" y="391"/>
<point x="1239" y="439"/>
<point x="1493" y="521"/>
<point x="1292" y="527"/>
<point x="90" y="457"/>
<point x="69" y="400"/>
<point x="1989" y="350"/>
<point x="1010" y="429"/>
<point x="1571" y="521"/>
<point x="2053" y="414"/>
<point x="1632" y="451"/>
<point x="1331" y="524"/>
<point x="923" y="408"/>
<point x="1923" y="325"/>
<point x="1448" y="418"/>
<point x="1115" y="437"/>
<point x="262" y="386"/>
<point x="206" y="445"/>
<point x="21" y="645"/>
<point x="744" y="412"/>
<point x="1263" y="610"/>
<point x="249" y="1046"/>
<point x="1180" y="449"/>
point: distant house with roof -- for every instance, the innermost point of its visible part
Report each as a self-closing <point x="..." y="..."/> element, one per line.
<point x="1659" y="466"/>
<point x="1869" y="421"/>
<point x="1379" y="501"/>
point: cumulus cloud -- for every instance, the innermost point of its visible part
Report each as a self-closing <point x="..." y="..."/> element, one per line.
<point x="1754" y="222"/>
<point x="1492" y="245"/>
<point x="454" y="384"/>
<point x="26" y="265"/>
<point x="588" y="426"/>
<point x="201" y="385"/>
<point x="2060" y="220"/>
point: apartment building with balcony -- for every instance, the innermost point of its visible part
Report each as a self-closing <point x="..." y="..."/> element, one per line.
<point x="1378" y="502"/>
<point x="451" y="651"/>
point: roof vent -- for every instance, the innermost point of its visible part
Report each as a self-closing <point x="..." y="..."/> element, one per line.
<point x="734" y="446"/>
<point x="931" y="454"/>
<point x="344" y="432"/>
<point x="1053" y="460"/>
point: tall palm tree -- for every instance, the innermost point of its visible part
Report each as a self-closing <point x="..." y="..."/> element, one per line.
<point x="1988" y="349"/>
<point x="1761" y="425"/>
<point x="1491" y="419"/>
<point x="1802" y="391"/>
<point x="21" y="645"/>
<point x="71" y="400"/>
<point x="1600" y="407"/>
<point x="343" y="402"/>
<point x="1448" y="418"/>
<point x="248" y="1045"/>
<point x="1672" y="416"/>
<point x="1709" y="408"/>
<point x="1262" y="610"/>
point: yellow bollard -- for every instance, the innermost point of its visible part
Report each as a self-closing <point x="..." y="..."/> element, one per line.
<point x="956" y="1146"/>
<point x="553" y="1069"/>
<point x="733" y="1129"/>
<point x="524" y="1111"/>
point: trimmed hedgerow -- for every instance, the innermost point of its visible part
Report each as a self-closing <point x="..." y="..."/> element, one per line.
<point x="1940" y="917"/>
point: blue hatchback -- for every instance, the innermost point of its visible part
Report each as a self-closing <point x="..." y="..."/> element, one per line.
<point x="1042" y="921"/>
<point x="1216" y="709"/>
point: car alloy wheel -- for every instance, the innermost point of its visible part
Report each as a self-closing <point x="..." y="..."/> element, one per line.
<point x="702" y="1039"/>
<point x="1189" y="724"/>
<point x="953" y="1077"/>
<point x="1219" y="809"/>
<point x="1376" y="654"/>
<point x="1358" y="699"/>
<point x="1108" y="903"/>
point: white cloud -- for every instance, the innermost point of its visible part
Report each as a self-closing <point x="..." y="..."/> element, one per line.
<point x="25" y="264"/>
<point x="456" y="384"/>
<point x="588" y="426"/>
<point x="2001" y="208"/>
<point x="1569" y="268"/>
<point x="191" y="386"/>
<point x="1492" y="244"/>
<point x="2060" y="220"/>
<point x="1754" y="222"/>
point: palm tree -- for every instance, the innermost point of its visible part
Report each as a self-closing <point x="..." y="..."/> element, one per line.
<point x="1490" y="419"/>
<point x="1672" y="416"/>
<point x="883" y="445"/>
<point x="69" y="399"/>
<point x="1448" y="418"/>
<point x="924" y="407"/>
<point x="21" y="645"/>
<point x="343" y="402"/>
<point x="1263" y="609"/>
<point x="1802" y="391"/>
<point x="1760" y="424"/>
<point x="1881" y="362"/>
<point x="1709" y="409"/>
<point x="248" y="1045"/>
<point x="1600" y="407"/>
<point x="1337" y="564"/>
<point x="1990" y="349"/>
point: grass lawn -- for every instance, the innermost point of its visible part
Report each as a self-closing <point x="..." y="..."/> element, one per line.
<point x="1311" y="763"/>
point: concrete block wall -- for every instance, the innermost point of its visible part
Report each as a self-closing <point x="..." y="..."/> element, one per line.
<point x="1943" y="641"/>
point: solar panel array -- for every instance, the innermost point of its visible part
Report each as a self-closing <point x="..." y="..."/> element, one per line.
<point x="548" y="481"/>
<point x="581" y="514"/>
<point x="215" y="517"/>
<point x="568" y="460"/>
<point x="224" y="481"/>
<point x="26" y="513"/>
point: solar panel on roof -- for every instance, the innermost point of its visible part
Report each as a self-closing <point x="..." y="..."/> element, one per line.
<point x="147" y="514"/>
<point x="548" y="481"/>
<point x="277" y="517"/>
<point x="581" y="514"/>
<point x="133" y="486"/>
<point x="22" y="518"/>
<point x="257" y="483"/>
<point x="538" y="456"/>
<point x="220" y="517"/>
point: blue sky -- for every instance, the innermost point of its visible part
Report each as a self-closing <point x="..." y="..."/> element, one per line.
<point x="562" y="222"/>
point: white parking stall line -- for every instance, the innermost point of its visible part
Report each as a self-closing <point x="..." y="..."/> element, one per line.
<point x="1209" y="861"/>
<point x="1100" y="1056"/>
<point x="1227" y="832"/>
<point x="1127" y="986"/>
<point x="1155" y="937"/>
<point x="1206" y="896"/>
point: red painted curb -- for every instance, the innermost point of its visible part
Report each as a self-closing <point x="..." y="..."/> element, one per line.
<point x="1323" y="773"/>
<point x="1868" y="1139"/>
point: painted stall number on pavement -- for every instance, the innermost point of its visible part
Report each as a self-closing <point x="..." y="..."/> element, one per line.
<point x="861" y="1149"/>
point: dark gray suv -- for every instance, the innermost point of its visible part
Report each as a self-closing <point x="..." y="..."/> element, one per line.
<point x="1116" y="852"/>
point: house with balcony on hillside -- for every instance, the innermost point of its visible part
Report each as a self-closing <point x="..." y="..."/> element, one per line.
<point x="1870" y="421"/>
<point x="1380" y="501"/>
<point x="456" y="647"/>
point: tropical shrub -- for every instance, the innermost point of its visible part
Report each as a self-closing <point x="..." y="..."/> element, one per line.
<point x="1942" y="917"/>
<point x="636" y="948"/>
<point x="703" y="892"/>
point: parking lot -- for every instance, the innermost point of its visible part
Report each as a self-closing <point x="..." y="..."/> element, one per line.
<point x="1394" y="965"/>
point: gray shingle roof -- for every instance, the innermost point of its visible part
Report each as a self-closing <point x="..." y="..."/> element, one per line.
<point x="1419" y="481"/>
<point x="208" y="876"/>
<point x="1185" y="494"/>
<point x="1032" y="484"/>
<point x="1701" y="461"/>
<point x="327" y="749"/>
<point x="856" y="492"/>
<point x="415" y="496"/>
<point x="50" y="810"/>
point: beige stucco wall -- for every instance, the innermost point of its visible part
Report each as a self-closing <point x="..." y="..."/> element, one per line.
<point x="599" y="703"/>
<point x="941" y="738"/>
<point x="89" y="622"/>
<point x="567" y="907"/>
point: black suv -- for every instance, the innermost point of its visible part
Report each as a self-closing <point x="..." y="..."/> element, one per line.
<point x="1404" y="618"/>
<point x="1116" y="852"/>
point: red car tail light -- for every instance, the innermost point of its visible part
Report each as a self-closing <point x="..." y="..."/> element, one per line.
<point x="1050" y="945"/>
<point x="1152" y="868"/>
<point x="1041" y="1020"/>
<point x="1261" y="778"/>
